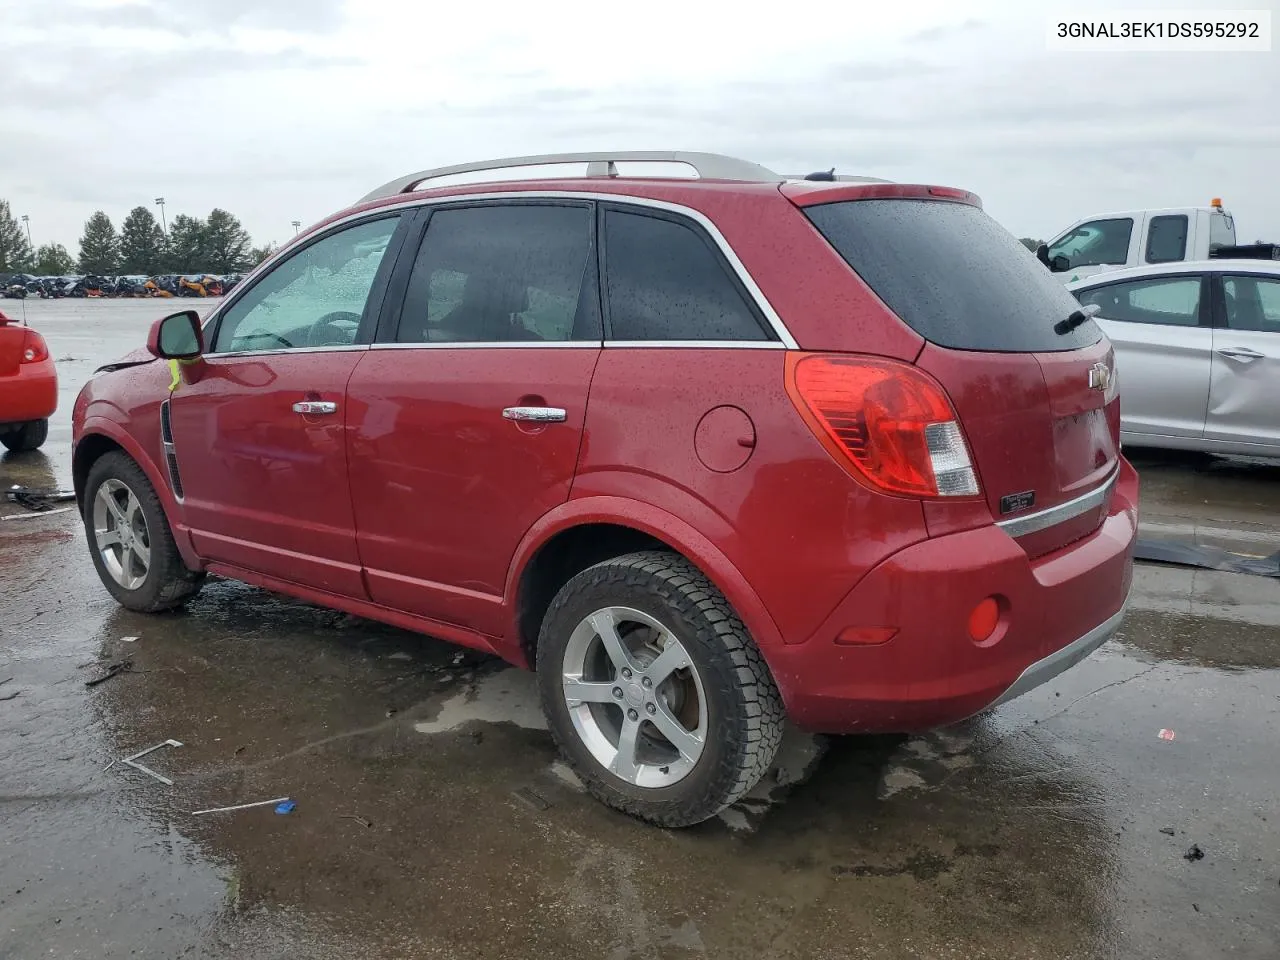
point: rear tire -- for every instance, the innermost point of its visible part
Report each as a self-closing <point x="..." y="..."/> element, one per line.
<point x="30" y="436"/>
<point x="654" y="691"/>
<point x="130" y="541"/>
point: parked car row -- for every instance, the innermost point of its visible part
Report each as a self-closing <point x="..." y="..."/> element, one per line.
<point x="21" y="286"/>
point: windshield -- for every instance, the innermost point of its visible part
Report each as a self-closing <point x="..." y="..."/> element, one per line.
<point x="953" y="274"/>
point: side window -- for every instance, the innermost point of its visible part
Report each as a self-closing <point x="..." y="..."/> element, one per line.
<point x="314" y="299"/>
<point x="1095" y="242"/>
<point x="1253" y="303"/>
<point x="1222" y="231"/>
<point x="1171" y="301"/>
<point x="1167" y="239"/>
<point x="503" y="273"/>
<point x="666" y="283"/>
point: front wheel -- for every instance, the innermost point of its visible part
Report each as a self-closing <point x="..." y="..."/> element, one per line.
<point x="654" y="691"/>
<point x="30" y="436"/>
<point x="130" y="540"/>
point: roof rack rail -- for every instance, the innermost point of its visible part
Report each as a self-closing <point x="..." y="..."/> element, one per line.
<point x="709" y="166"/>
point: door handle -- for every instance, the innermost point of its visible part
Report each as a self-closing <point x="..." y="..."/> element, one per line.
<point x="315" y="407"/>
<point x="536" y="414"/>
<point x="1241" y="353"/>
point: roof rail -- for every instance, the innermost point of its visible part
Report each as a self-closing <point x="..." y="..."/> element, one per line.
<point x="709" y="166"/>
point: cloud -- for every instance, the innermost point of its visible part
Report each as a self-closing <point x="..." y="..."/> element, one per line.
<point x="946" y="31"/>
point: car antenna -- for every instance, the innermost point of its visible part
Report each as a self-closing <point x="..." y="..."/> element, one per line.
<point x="822" y="175"/>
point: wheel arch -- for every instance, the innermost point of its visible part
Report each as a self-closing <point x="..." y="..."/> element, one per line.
<point x="100" y="436"/>
<point x="589" y="530"/>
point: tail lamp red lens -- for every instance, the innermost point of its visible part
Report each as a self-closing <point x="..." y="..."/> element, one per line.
<point x="890" y="422"/>
<point x="34" y="349"/>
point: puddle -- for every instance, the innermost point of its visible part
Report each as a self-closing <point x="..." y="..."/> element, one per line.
<point x="508" y="696"/>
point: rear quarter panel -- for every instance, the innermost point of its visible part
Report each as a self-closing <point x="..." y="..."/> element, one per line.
<point x="796" y="526"/>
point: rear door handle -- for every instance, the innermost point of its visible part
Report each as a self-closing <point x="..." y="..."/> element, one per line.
<point x="536" y="414"/>
<point x="1241" y="353"/>
<point x="315" y="407"/>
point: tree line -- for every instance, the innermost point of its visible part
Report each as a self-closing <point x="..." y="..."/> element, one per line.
<point x="216" y="244"/>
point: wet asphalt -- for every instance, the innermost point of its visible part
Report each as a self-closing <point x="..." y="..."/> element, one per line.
<point x="432" y="819"/>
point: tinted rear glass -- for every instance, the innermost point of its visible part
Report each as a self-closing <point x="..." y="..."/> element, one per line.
<point x="957" y="277"/>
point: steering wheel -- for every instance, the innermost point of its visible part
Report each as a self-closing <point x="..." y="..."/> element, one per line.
<point x="318" y="337"/>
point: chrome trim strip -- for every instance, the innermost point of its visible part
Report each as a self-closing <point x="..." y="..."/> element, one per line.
<point x="1062" y="660"/>
<point x="753" y="289"/>
<point x="698" y="344"/>
<point x="285" y="350"/>
<point x="487" y="344"/>
<point x="1044" y="519"/>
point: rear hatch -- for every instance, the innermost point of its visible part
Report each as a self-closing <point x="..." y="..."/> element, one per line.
<point x="12" y="337"/>
<point x="1036" y="399"/>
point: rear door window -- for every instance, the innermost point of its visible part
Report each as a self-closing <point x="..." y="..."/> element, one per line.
<point x="953" y="274"/>
<point x="1169" y="301"/>
<point x="503" y="273"/>
<point x="1167" y="239"/>
<point x="665" y="281"/>
<point x="1252" y="303"/>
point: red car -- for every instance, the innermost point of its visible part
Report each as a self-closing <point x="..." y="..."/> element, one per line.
<point x="28" y="387"/>
<point x="707" y="453"/>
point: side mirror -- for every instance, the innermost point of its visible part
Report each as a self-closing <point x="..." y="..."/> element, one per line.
<point x="1060" y="263"/>
<point x="1042" y="254"/>
<point x="176" y="337"/>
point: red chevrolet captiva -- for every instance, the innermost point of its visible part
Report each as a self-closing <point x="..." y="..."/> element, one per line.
<point x="709" y="452"/>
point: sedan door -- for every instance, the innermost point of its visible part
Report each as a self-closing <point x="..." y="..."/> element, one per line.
<point x="1244" y="391"/>
<point x="259" y="436"/>
<point x="1160" y="328"/>
<point x="466" y="417"/>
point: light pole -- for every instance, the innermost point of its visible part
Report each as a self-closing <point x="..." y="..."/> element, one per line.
<point x="27" y="220"/>
<point x="163" y="224"/>
<point x="296" y="224"/>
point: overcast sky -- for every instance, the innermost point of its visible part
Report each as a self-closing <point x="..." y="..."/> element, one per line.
<point x="289" y="109"/>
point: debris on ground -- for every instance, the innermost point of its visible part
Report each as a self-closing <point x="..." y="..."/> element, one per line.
<point x="41" y="501"/>
<point x="1193" y="853"/>
<point x="288" y="806"/>
<point x="1168" y="831"/>
<point x="527" y="796"/>
<point x="10" y="696"/>
<point x="33" y="516"/>
<point x="113" y="669"/>
<point x="131" y="761"/>
<point x="130" y="639"/>
<point x="458" y="658"/>
<point x="243" y="806"/>
<point x="1166" y="734"/>
<point x="360" y="820"/>
<point x="239" y="750"/>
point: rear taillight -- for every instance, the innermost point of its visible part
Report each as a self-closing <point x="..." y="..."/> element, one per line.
<point x="34" y="349"/>
<point x="890" y="422"/>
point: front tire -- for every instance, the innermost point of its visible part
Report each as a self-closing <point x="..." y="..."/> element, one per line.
<point x="654" y="691"/>
<point x="130" y="541"/>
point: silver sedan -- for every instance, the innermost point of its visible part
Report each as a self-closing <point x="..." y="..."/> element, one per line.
<point x="1197" y="353"/>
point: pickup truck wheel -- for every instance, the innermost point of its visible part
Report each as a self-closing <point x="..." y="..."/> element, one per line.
<point x="655" y="693"/>
<point x="30" y="436"/>
<point x="129" y="538"/>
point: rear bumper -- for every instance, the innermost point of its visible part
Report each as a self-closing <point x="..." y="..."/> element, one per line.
<point x="1055" y="611"/>
<point x="29" y="394"/>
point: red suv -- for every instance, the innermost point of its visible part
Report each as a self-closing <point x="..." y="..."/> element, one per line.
<point x="708" y="453"/>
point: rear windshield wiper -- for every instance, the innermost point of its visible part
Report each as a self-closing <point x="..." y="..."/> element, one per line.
<point x="1078" y="317"/>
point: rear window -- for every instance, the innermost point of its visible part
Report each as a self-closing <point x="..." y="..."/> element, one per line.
<point x="953" y="274"/>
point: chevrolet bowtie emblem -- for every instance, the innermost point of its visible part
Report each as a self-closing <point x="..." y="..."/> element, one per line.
<point x="1099" y="377"/>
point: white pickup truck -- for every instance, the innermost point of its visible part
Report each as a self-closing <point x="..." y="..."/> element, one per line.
<point x="1133" y="238"/>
